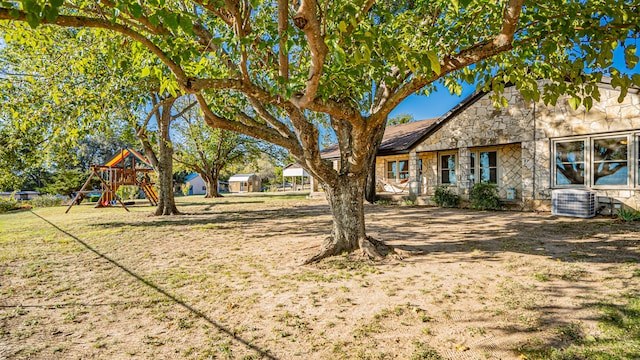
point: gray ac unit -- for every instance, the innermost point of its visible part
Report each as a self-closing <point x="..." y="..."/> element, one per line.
<point x="576" y="203"/>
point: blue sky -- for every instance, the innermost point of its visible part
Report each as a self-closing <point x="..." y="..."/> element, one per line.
<point x="438" y="103"/>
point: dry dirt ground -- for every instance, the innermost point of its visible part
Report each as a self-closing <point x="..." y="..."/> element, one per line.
<point x="225" y="281"/>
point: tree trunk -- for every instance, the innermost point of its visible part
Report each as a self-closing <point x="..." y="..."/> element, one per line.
<point x="346" y="200"/>
<point x="370" y="184"/>
<point x="211" y="183"/>
<point x="166" y="203"/>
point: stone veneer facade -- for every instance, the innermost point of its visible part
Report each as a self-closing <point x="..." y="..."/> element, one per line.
<point x="522" y="134"/>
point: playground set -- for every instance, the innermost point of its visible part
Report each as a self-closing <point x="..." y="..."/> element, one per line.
<point x="129" y="167"/>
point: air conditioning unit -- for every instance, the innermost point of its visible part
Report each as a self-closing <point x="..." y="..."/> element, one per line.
<point x="576" y="203"/>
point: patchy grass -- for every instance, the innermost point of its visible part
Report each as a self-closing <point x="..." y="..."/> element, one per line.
<point x="225" y="281"/>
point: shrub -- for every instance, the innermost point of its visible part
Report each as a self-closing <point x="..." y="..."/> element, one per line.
<point x="127" y="192"/>
<point x="8" y="204"/>
<point x="445" y="197"/>
<point x="184" y="188"/>
<point x="627" y="214"/>
<point x="484" y="196"/>
<point x="46" y="200"/>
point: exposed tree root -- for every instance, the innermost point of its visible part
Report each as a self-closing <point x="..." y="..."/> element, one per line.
<point x="369" y="247"/>
<point x="167" y="211"/>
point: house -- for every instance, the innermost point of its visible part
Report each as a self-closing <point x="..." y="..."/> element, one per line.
<point x="527" y="149"/>
<point x="245" y="183"/>
<point x="196" y="184"/>
<point x="19" y="195"/>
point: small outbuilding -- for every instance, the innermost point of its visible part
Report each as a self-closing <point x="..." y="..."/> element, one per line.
<point x="245" y="183"/>
<point x="294" y="171"/>
<point x="196" y="184"/>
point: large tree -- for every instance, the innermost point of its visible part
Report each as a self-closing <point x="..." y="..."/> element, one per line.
<point x="207" y="151"/>
<point x="352" y="62"/>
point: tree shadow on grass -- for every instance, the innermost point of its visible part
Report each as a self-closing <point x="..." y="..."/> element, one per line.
<point x="299" y="215"/>
<point x="466" y="231"/>
<point x="230" y="333"/>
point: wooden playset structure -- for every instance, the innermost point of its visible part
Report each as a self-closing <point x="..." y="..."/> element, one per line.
<point x="123" y="169"/>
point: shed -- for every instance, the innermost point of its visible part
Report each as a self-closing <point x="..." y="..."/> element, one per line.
<point x="294" y="171"/>
<point x="245" y="183"/>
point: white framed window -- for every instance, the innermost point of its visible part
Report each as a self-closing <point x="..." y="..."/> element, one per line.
<point x="483" y="166"/>
<point x="448" y="168"/>
<point x="570" y="162"/>
<point x="610" y="161"/>
<point x="598" y="161"/>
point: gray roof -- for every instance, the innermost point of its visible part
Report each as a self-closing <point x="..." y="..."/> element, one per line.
<point x="397" y="139"/>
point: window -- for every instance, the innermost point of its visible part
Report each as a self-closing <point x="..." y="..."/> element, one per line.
<point x="392" y="170"/>
<point x="448" y="169"/>
<point x="204" y="188"/>
<point x="398" y="170"/>
<point x="487" y="163"/>
<point x="403" y="165"/>
<point x="610" y="161"/>
<point x="603" y="161"/>
<point x="570" y="162"/>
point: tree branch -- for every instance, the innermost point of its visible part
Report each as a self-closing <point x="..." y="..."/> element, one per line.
<point x="501" y="43"/>
<point x="88" y="22"/>
<point x="306" y="19"/>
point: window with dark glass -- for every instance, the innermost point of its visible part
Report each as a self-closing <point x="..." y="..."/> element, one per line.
<point x="448" y="169"/>
<point x="570" y="162"/>
<point x="610" y="161"/>
<point x="472" y="167"/>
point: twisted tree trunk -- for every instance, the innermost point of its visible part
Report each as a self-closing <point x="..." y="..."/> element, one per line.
<point x="346" y="200"/>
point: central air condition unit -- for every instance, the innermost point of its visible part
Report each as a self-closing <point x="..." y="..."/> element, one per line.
<point x="576" y="203"/>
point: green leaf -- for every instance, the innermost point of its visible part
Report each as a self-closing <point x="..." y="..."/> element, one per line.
<point x="51" y="14"/>
<point x="154" y="19"/>
<point x="186" y="24"/>
<point x="340" y="55"/>
<point x="170" y="20"/>
<point x="57" y="3"/>
<point x="135" y="9"/>
<point x="435" y="63"/>
<point x="588" y="103"/>
<point x="574" y="102"/>
<point x="15" y="13"/>
<point x="342" y="26"/>
<point x="146" y="72"/>
<point x="456" y="5"/>
<point x="33" y="20"/>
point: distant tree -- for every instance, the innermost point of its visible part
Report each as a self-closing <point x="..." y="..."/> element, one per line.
<point x="400" y="119"/>
<point x="65" y="182"/>
<point x="207" y="151"/>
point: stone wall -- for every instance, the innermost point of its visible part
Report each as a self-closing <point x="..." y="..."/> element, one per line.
<point x="526" y="129"/>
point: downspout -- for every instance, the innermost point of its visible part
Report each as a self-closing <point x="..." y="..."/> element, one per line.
<point x="535" y="146"/>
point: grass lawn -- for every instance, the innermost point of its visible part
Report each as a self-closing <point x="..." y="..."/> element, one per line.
<point x="225" y="281"/>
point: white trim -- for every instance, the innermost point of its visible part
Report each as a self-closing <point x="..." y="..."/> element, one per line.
<point x="633" y="160"/>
